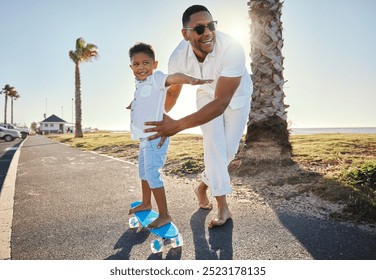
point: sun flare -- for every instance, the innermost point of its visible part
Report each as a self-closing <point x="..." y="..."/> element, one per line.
<point x="239" y="32"/>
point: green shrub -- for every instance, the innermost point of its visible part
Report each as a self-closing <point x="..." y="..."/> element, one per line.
<point x="191" y="166"/>
<point x="363" y="176"/>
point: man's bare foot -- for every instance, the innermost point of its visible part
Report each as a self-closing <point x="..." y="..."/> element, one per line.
<point x="203" y="201"/>
<point x="160" y="221"/>
<point x="140" y="207"/>
<point x="220" y="219"/>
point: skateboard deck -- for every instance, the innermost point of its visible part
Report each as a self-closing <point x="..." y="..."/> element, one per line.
<point x="147" y="216"/>
<point x="167" y="231"/>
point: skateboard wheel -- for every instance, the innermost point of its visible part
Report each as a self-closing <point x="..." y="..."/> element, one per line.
<point x="133" y="222"/>
<point x="156" y="246"/>
<point x="177" y="241"/>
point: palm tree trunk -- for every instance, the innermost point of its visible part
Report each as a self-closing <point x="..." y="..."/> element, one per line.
<point x="267" y="134"/>
<point x="11" y="109"/>
<point x="267" y="138"/>
<point x="78" y="125"/>
<point x="5" y="106"/>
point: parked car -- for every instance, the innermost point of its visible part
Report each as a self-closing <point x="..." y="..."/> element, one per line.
<point x="9" y="134"/>
<point x="23" y="130"/>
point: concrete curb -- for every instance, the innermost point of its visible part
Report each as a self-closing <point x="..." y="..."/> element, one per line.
<point x="6" y="206"/>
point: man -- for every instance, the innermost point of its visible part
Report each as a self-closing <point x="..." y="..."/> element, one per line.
<point x="222" y="106"/>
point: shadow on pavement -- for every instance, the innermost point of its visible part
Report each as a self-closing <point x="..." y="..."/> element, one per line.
<point x="220" y="240"/>
<point x="131" y="238"/>
<point x="173" y="254"/>
<point x="126" y="242"/>
<point x="5" y="161"/>
<point x="219" y="245"/>
<point x="330" y="240"/>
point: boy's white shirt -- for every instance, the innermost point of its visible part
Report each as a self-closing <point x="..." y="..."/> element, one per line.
<point x="227" y="59"/>
<point x="148" y="103"/>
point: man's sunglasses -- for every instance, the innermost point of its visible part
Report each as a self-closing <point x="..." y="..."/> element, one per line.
<point x="200" y="29"/>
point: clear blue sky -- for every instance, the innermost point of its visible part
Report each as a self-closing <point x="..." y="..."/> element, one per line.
<point x="329" y="51"/>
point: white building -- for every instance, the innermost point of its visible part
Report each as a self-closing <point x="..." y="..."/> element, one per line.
<point x="53" y="124"/>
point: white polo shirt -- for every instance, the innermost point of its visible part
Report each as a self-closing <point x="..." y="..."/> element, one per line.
<point x="227" y="60"/>
<point x="148" y="103"/>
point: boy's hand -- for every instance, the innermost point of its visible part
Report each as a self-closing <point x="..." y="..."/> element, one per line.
<point x="195" y="81"/>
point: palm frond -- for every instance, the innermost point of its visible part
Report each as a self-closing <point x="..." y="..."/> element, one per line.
<point x="80" y="43"/>
<point x="73" y="56"/>
<point x="8" y="90"/>
<point x="84" y="51"/>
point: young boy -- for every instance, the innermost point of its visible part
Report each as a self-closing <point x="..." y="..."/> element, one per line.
<point x="148" y="104"/>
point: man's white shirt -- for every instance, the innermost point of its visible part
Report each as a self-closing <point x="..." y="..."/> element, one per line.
<point x="227" y="60"/>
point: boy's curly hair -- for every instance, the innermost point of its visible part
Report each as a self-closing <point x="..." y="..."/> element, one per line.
<point x="142" y="48"/>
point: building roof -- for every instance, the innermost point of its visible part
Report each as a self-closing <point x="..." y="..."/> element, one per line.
<point x="54" y="119"/>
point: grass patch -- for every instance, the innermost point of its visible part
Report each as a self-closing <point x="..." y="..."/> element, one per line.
<point x="95" y="141"/>
<point x="361" y="181"/>
<point x="347" y="162"/>
<point x="334" y="151"/>
<point x="362" y="177"/>
<point x="185" y="156"/>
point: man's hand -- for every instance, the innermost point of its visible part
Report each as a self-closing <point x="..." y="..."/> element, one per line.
<point x="163" y="128"/>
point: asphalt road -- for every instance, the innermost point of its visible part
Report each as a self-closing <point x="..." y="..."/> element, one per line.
<point x="7" y="150"/>
<point x="71" y="204"/>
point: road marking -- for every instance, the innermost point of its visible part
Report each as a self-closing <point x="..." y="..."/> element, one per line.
<point x="11" y="149"/>
<point x="113" y="158"/>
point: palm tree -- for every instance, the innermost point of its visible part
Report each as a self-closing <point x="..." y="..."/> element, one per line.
<point x="267" y="137"/>
<point x="84" y="52"/>
<point x="13" y="96"/>
<point x="34" y="126"/>
<point x="7" y="91"/>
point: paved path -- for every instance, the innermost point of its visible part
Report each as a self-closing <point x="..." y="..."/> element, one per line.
<point x="9" y="154"/>
<point x="72" y="204"/>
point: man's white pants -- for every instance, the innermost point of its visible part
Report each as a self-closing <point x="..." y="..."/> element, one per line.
<point x="221" y="142"/>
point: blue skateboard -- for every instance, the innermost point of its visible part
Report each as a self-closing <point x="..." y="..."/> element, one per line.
<point x="166" y="232"/>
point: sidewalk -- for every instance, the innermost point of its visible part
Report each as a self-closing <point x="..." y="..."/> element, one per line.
<point x="71" y="204"/>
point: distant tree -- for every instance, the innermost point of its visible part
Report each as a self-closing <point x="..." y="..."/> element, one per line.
<point x="7" y="91"/>
<point x="13" y="96"/>
<point x="34" y="126"/>
<point x="84" y="52"/>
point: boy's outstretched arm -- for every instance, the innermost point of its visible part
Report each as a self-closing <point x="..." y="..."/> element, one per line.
<point x="179" y="79"/>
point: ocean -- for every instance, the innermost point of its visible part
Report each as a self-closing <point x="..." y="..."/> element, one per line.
<point x="351" y="130"/>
